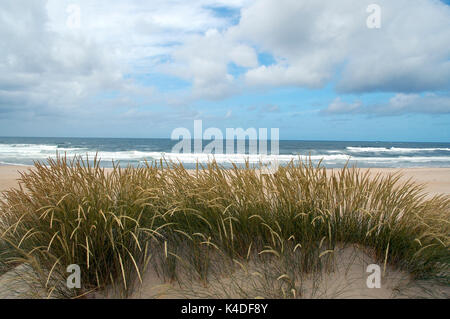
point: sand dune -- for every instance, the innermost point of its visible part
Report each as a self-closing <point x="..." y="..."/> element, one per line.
<point x="348" y="280"/>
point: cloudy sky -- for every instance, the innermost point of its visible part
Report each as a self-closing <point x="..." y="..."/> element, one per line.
<point x="313" y="68"/>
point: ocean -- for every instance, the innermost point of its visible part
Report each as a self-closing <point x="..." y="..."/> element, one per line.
<point x="130" y="151"/>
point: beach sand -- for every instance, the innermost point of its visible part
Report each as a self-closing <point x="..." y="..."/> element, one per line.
<point x="9" y="176"/>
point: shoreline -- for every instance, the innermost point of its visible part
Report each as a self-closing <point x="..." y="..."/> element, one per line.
<point x="436" y="180"/>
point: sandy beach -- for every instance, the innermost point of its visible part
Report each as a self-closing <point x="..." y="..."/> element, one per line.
<point x="9" y="176"/>
<point x="436" y="180"/>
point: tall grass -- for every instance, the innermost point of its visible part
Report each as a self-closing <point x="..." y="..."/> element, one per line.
<point x="117" y="223"/>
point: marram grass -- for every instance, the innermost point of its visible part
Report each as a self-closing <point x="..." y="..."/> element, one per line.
<point x="117" y="223"/>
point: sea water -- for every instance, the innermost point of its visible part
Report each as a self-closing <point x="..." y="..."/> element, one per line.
<point x="134" y="151"/>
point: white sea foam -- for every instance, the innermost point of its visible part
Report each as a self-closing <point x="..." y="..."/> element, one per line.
<point x="393" y="150"/>
<point x="26" y="153"/>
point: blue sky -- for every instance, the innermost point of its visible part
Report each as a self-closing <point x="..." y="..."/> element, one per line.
<point x="313" y="69"/>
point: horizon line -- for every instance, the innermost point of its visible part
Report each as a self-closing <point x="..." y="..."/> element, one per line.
<point x="168" y="138"/>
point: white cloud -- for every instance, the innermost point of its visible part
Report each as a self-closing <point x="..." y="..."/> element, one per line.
<point x="315" y="42"/>
<point x="340" y="107"/>
<point x="398" y="105"/>
<point x="42" y="69"/>
<point x="204" y="60"/>
<point x="243" y="55"/>
<point x="45" y="65"/>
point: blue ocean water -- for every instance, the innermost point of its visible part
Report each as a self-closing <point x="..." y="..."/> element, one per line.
<point x="23" y="151"/>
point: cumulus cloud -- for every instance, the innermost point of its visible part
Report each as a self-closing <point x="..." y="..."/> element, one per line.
<point x="204" y="60"/>
<point x="399" y="104"/>
<point x="315" y="42"/>
<point x="42" y="69"/>
<point x="340" y="107"/>
<point x="46" y="66"/>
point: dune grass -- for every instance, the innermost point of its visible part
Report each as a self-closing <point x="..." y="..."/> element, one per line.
<point x="117" y="223"/>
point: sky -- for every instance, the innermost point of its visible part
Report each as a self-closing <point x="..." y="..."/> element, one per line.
<point x="315" y="69"/>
